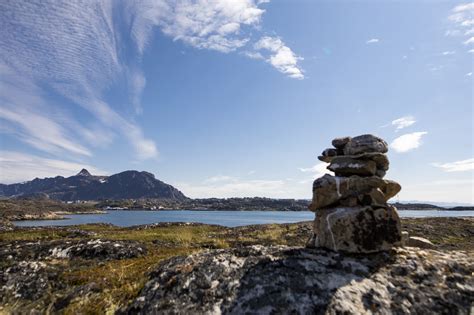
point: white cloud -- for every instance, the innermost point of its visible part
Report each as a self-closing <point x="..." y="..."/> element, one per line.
<point x="448" y="53"/>
<point x="41" y="132"/>
<point x="372" y="41"/>
<point x="227" y="186"/>
<point x="471" y="51"/>
<point x="318" y="170"/>
<point x="453" y="190"/>
<point x="457" y="166"/>
<point x="407" y="142"/>
<point x="403" y="122"/>
<point x="281" y="56"/>
<point x="461" y="18"/>
<point x="71" y="50"/>
<point x="452" y="33"/>
<point x="469" y="41"/>
<point x="464" y="7"/>
<point x="468" y="74"/>
<point x="26" y="115"/>
<point x="77" y="50"/>
<point x="205" y="24"/>
<point x="137" y="85"/>
<point x="18" y="167"/>
<point x="219" y="179"/>
<point x="254" y="55"/>
<point x="219" y="25"/>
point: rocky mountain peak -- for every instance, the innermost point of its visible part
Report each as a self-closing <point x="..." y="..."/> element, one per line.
<point x="84" y="172"/>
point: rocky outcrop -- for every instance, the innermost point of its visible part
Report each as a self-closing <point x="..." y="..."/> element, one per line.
<point x="421" y="242"/>
<point x="351" y="208"/>
<point x="288" y="280"/>
<point x="94" y="249"/>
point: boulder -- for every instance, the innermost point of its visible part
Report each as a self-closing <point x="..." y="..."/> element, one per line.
<point x="327" y="155"/>
<point x="339" y="143"/>
<point x="380" y="173"/>
<point x="328" y="190"/>
<point x="289" y="280"/>
<point x="416" y="241"/>
<point x="346" y="166"/>
<point x="365" y="144"/>
<point x="323" y="158"/>
<point x="329" y="152"/>
<point x="358" y="229"/>
<point x="375" y="198"/>
<point x="380" y="159"/>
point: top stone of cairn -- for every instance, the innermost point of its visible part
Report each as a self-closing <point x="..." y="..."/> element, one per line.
<point x="362" y="155"/>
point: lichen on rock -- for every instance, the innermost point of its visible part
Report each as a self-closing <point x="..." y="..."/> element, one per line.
<point x="289" y="280"/>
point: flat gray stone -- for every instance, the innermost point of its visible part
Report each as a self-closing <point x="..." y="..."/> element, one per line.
<point x="346" y="166"/>
<point x="365" y="144"/>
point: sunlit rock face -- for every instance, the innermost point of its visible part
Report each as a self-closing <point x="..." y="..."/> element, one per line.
<point x="352" y="213"/>
<point x="294" y="280"/>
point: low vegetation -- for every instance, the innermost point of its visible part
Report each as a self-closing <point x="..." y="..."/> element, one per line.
<point x="105" y="285"/>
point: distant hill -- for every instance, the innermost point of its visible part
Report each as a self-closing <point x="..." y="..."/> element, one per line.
<point x="416" y="206"/>
<point x="84" y="186"/>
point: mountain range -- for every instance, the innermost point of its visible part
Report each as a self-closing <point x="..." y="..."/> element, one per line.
<point x="84" y="186"/>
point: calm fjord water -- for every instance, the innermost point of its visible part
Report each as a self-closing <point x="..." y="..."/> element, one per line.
<point x="225" y="218"/>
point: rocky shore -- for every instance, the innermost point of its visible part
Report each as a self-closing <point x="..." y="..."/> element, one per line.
<point x="41" y="209"/>
<point x="103" y="268"/>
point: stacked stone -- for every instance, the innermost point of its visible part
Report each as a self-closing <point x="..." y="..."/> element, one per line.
<point x="352" y="213"/>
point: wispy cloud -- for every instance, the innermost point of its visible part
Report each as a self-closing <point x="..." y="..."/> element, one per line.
<point x="18" y="167"/>
<point x="469" y="41"/>
<point x="457" y="166"/>
<point x="79" y="51"/>
<point x="468" y="74"/>
<point x="318" y="170"/>
<point x="221" y="25"/>
<point x="137" y="83"/>
<point x="403" y="122"/>
<point x="212" y="25"/>
<point x="280" y="56"/>
<point x="372" y="41"/>
<point x="407" y="142"/>
<point x="448" y="53"/>
<point x="51" y="138"/>
<point x="462" y="20"/>
<point x="27" y="116"/>
<point x="223" y="186"/>
<point x="70" y="49"/>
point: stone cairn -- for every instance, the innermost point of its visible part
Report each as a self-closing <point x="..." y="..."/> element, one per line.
<point x="352" y="214"/>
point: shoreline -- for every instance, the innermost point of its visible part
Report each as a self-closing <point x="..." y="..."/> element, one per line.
<point x="59" y="215"/>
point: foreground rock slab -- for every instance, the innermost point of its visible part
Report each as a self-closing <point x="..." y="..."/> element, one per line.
<point x="370" y="230"/>
<point x="290" y="280"/>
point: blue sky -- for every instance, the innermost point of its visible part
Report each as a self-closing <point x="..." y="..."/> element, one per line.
<point x="237" y="98"/>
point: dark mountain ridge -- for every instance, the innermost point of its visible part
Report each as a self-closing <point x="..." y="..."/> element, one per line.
<point x="84" y="186"/>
